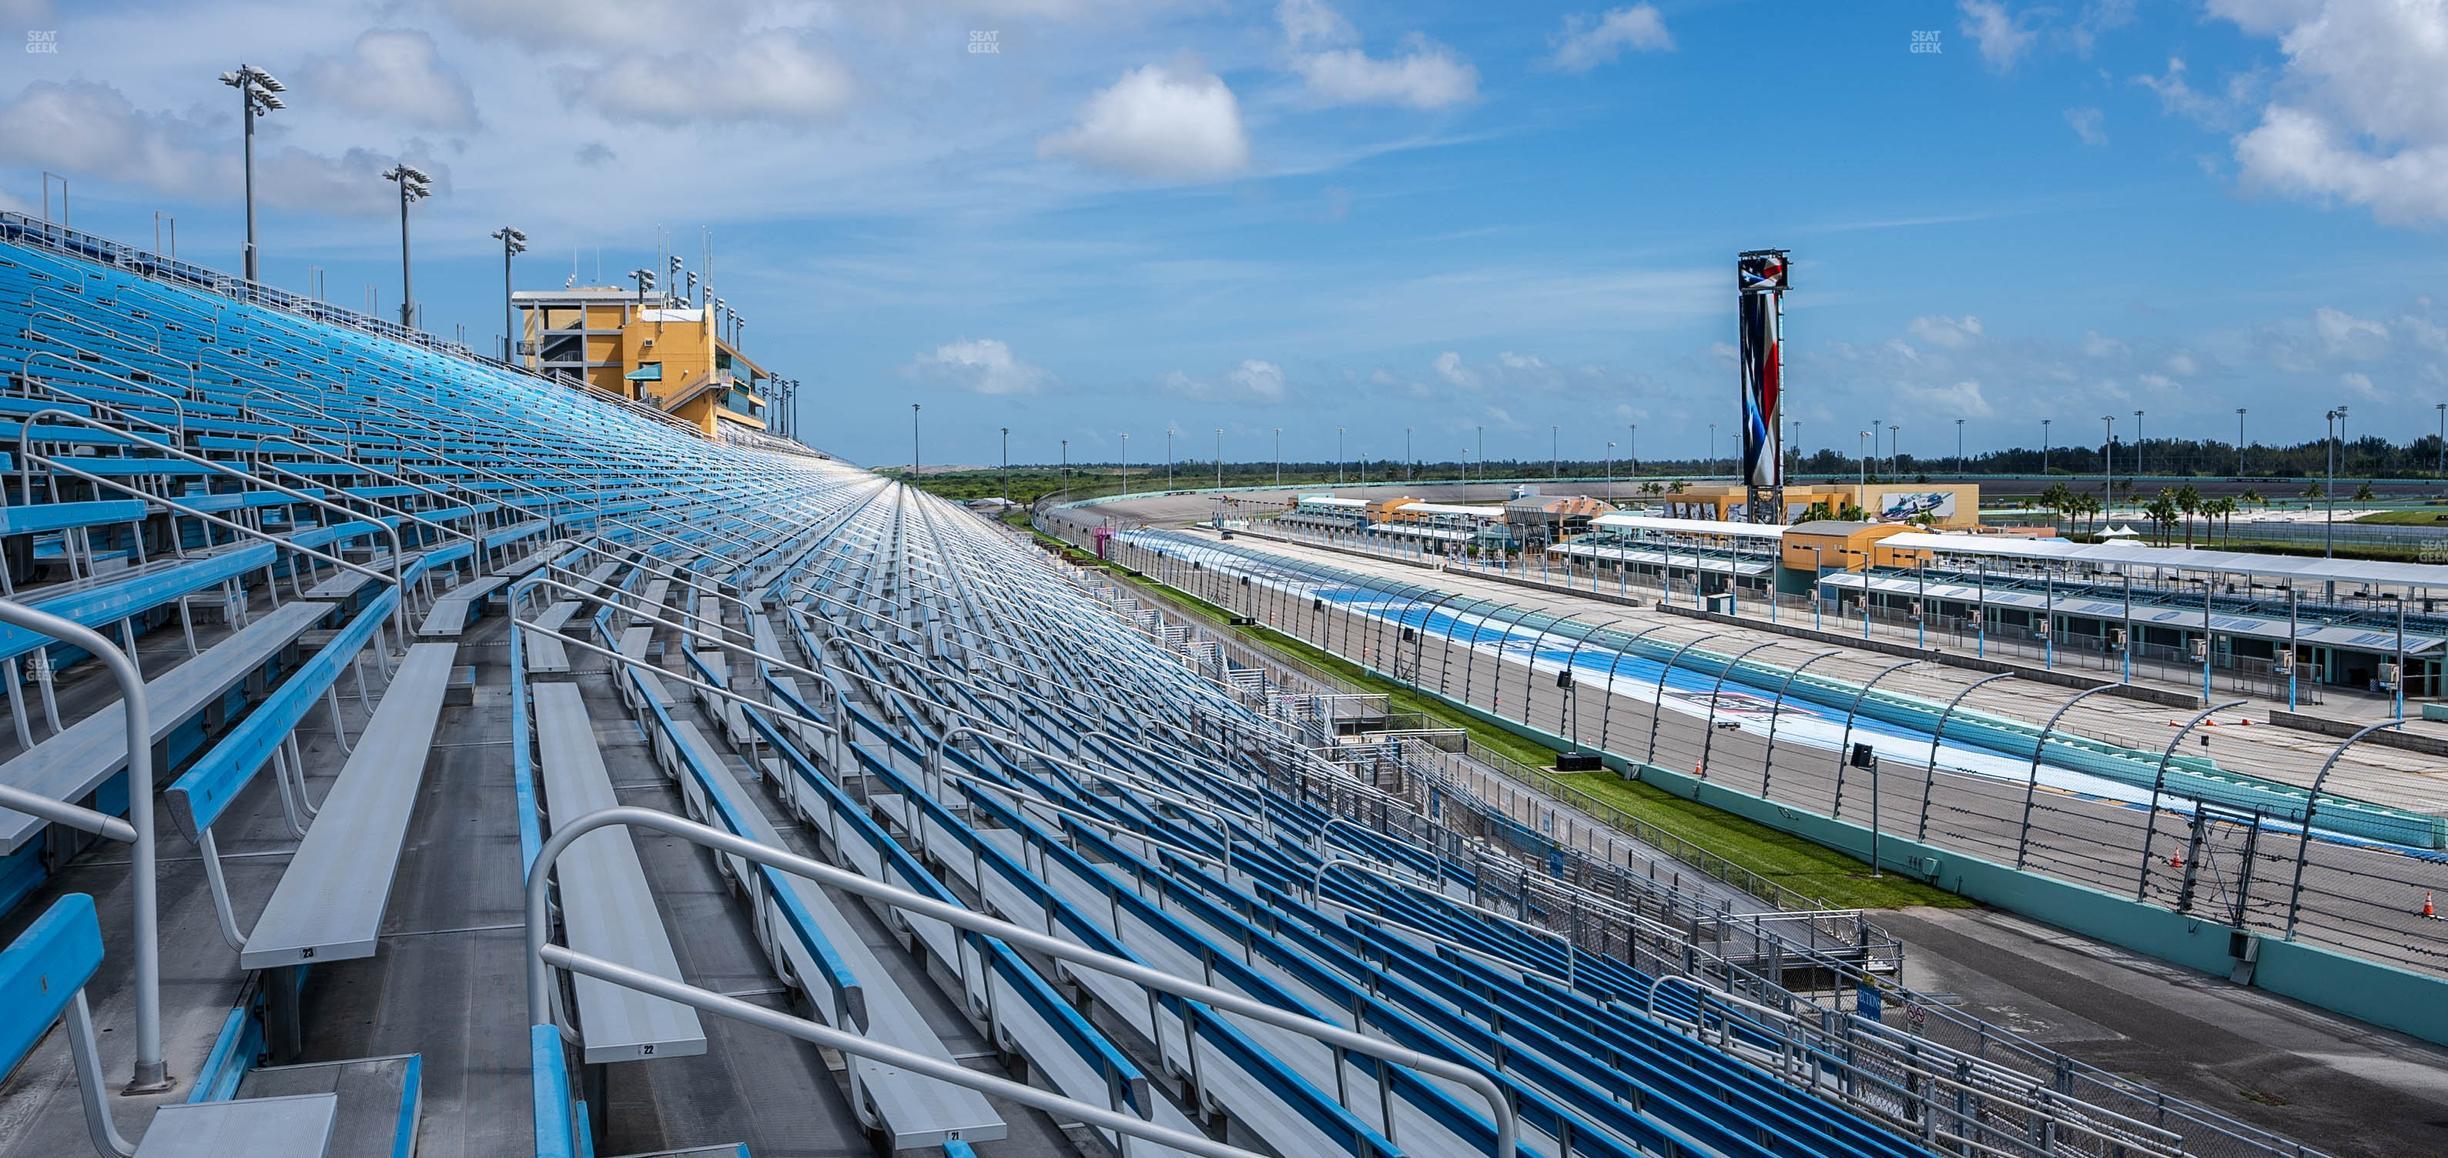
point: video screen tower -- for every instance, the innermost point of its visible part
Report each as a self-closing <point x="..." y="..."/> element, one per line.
<point x="1760" y="283"/>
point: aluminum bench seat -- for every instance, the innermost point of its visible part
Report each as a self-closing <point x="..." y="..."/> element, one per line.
<point x="72" y="764"/>
<point x="607" y="909"/>
<point x="545" y="654"/>
<point x="450" y="614"/>
<point x="43" y="973"/>
<point x="300" y="1125"/>
<point x="915" y="1111"/>
<point x="330" y="902"/>
<point x="381" y="1100"/>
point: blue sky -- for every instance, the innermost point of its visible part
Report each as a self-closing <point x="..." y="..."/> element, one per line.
<point x="1360" y="213"/>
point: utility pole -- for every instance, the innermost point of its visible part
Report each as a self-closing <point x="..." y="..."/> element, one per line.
<point x="1168" y="456"/>
<point x="1126" y="464"/>
<point x="513" y="244"/>
<point x="1219" y="458"/>
<point x="1634" y="449"/>
<point x="258" y="94"/>
<point x="1339" y="456"/>
<point x="1007" y="464"/>
<point x="414" y="186"/>
<point x="1555" y="453"/>
<point x="1482" y="454"/>
<point x="1279" y="456"/>
<point x="1066" y="465"/>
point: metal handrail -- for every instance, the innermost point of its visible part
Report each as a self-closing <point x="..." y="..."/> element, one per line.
<point x="542" y="956"/>
<point x="152" y="1072"/>
<point x="27" y="458"/>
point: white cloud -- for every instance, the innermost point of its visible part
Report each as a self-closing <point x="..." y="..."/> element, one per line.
<point x="395" y="74"/>
<point x="1255" y="381"/>
<point x="2183" y="365"/>
<point x="1426" y="76"/>
<point x="1585" y="43"/>
<point x="2360" y="116"/>
<point x="2359" y="382"/>
<point x="980" y="366"/>
<point x="93" y="131"/>
<point x="2086" y="125"/>
<point x="2343" y="333"/>
<point x="2001" y="37"/>
<point x="1261" y="380"/>
<point x="630" y="24"/>
<point x="1326" y="53"/>
<point x="1311" y="24"/>
<point x="1942" y="331"/>
<point x="1448" y="366"/>
<point x="1961" y="399"/>
<point x="1158" y="122"/>
<point x="2098" y="345"/>
<point x="774" y="78"/>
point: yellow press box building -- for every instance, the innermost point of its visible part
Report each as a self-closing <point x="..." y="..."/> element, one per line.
<point x="654" y="350"/>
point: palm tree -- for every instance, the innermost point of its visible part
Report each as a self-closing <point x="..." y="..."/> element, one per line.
<point x="2189" y="501"/>
<point x="2162" y="511"/>
<point x="2363" y="494"/>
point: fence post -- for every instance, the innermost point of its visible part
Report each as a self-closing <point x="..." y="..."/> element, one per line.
<point x="2031" y="788"/>
<point x="2150" y="827"/>
<point x="2303" y="843"/>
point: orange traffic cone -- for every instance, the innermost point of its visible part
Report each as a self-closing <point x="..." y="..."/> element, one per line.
<point x="2428" y="912"/>
<point x="2176" y="860"/>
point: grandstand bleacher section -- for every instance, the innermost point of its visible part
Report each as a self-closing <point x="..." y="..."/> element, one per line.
<point x="779" y="755"/>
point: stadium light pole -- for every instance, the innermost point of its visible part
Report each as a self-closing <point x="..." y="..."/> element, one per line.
<point x="1408" y="473"/>
<point x="1219" y="458"/>
<point x="2337" y="430"/>
<point x="1168" y="456"/>
<point x="1279" y="456"/>
<point x="1007" y="464"/>
<point x="414" y="186"/>
<point x="1861" y="489"/>
<point x="2137" y="448"/>
<point x="1874" y="428"/>
<point x="258" y="94"/>
<point x="1066" y="465"/>
<point x="1712" y="458"/>
<point x="1959" y="453"/>
<point x="2442" y="407"/>
<point x="1555" y="452"/>
<point x="513" y="244"/>
<point x="2044" y="445"/>
<point x="2108" y="479"/>
<point x="1634" y="449"/>
<point x="2239" y="440"/>
<point x="1338" y="456"/>
<point x="1125" y="464"/>
<point x="1481" y="454"/>
<point x="1895" y="448"/>
<point x="1610" y="471"/>
<point x="914" y="443"/>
